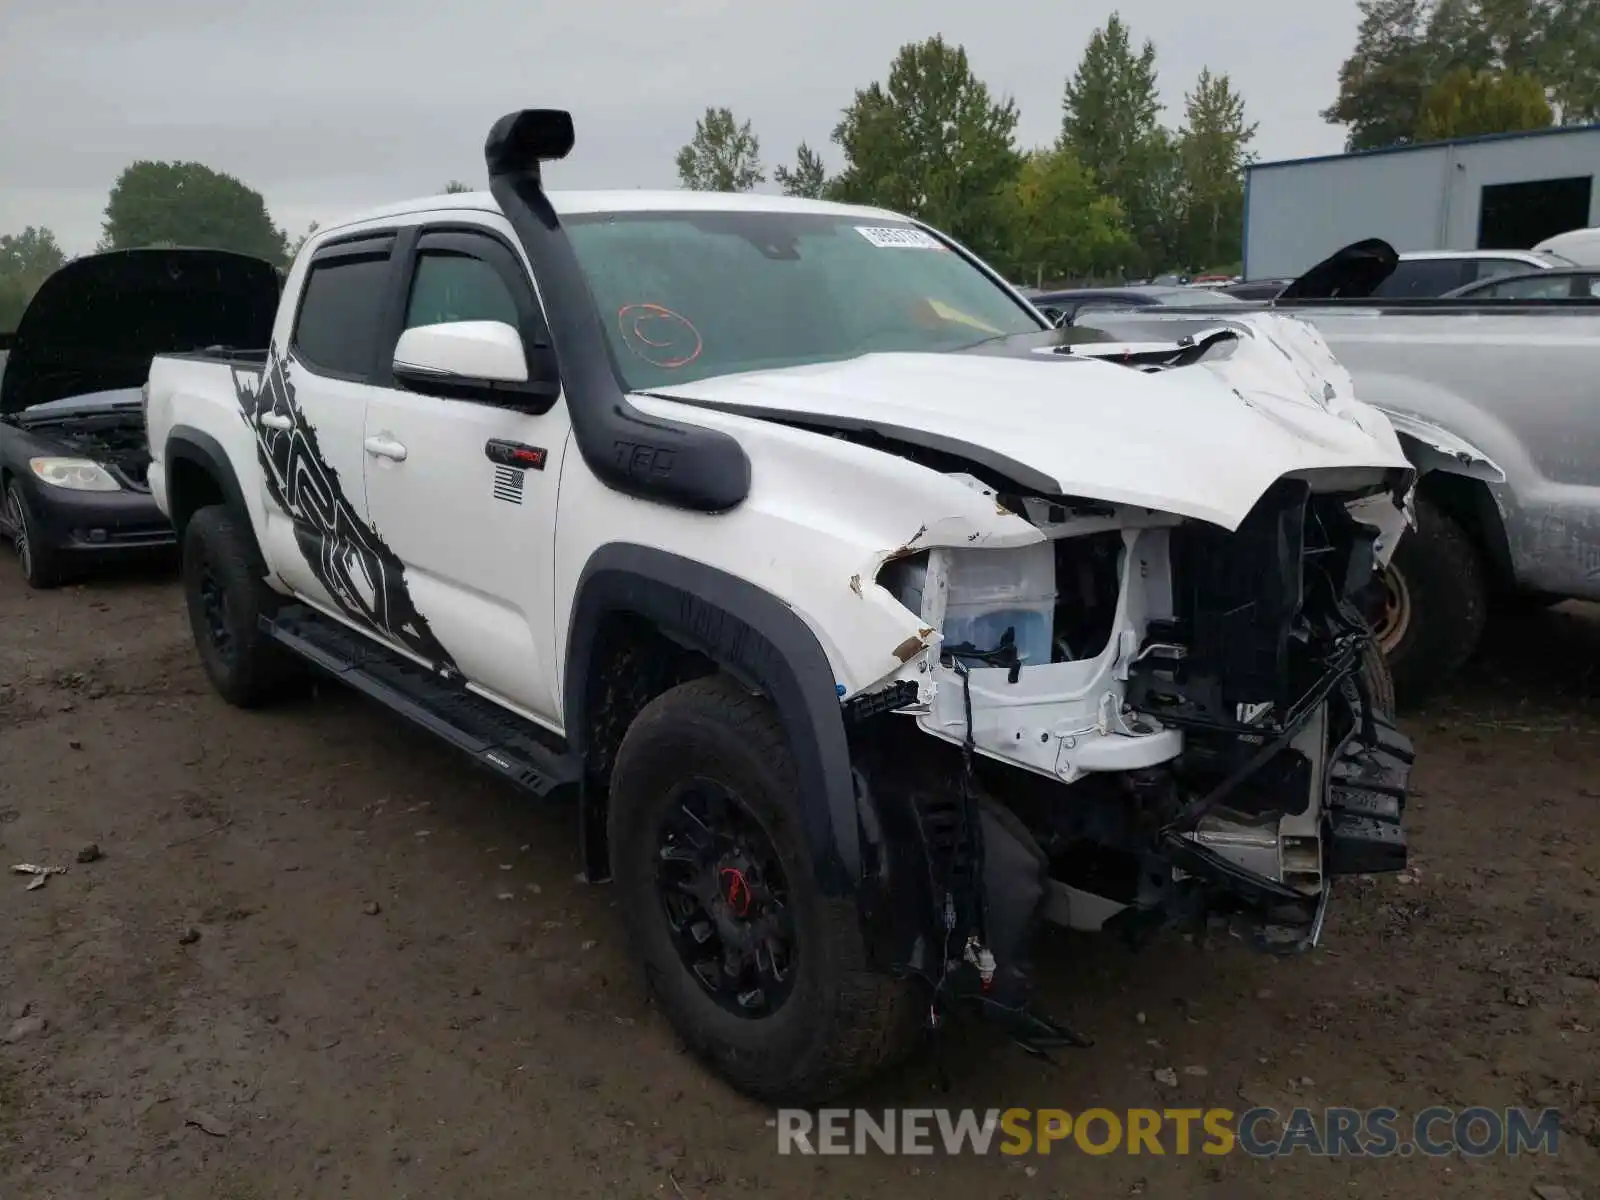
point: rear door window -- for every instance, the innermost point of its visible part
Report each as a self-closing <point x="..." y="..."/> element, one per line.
<point x="1531" y="287"/>
<point x="341" y="309"/>
<point x="1493" y="268"/>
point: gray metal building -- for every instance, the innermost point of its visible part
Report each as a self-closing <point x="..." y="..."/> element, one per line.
<point x="1502" y="192"/>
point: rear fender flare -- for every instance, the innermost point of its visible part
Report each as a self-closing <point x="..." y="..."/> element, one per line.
<point x="188" y="444"/>
<point x="760" y="641"/>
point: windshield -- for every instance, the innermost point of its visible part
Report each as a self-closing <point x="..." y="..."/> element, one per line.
<point x="689" y="295"/>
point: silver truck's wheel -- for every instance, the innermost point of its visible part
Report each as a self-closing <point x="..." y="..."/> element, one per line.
<point x="1435" y="604"/>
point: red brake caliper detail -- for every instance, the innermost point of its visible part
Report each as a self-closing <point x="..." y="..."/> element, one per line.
<point x="735" y="891"/>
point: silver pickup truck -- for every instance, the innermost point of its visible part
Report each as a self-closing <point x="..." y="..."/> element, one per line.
<point x="1507" y="393"/>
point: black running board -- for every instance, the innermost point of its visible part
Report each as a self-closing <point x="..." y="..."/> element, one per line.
<point x="506" y="744"/>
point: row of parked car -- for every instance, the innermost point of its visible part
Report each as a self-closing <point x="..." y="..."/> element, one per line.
<point x="1544" y="273"/>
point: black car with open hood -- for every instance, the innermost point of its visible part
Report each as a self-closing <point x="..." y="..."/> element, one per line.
<point x="1353" y="272"/>
<point x="73" y="453"/>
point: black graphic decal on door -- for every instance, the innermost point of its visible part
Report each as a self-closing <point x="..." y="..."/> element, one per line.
<point x="347" y="556"/>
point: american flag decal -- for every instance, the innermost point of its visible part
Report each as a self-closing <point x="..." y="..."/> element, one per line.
<point x="508" y="484"/>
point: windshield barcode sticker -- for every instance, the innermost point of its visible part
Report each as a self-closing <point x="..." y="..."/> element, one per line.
<point x="898" y="237"/>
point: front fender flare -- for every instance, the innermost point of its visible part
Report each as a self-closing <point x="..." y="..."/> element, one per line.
<point x="759" y="639"/>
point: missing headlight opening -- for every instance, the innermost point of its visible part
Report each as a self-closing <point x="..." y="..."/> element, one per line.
<point x="1179" y="717"/>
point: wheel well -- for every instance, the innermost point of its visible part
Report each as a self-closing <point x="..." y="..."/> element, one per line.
<point x="1470" y="505"/>
<point x="632" y="663"/>
<point x="190" y="487"/>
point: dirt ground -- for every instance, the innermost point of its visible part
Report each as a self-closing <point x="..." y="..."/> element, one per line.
<point x="320" y="957"/>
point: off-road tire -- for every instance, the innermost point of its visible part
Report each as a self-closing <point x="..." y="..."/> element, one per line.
<point x="1447" y="593"/>
<point x="842" y="1022"/>
<point x="254" y="670"/>
<point x="42" y="566"/>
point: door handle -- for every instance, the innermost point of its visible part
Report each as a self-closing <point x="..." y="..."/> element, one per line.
<point x="382" y="447"/>
<point x="272" y="420"/>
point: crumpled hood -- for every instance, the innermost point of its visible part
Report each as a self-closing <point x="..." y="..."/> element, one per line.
<point x="1202" y="441"/>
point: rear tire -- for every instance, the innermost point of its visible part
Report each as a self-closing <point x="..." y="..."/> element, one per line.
<point x="1437" y="603"/>
<point x="838" y="1021"/>
<point x="226" y="595"/>
<point x="42" y="566"/>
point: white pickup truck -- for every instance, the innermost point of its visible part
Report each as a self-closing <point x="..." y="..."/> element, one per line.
<point x="872" y="619"/>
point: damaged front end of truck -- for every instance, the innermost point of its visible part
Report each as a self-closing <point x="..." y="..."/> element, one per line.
<point x="1147" y="720"/>
<point x="1114" y="672"/>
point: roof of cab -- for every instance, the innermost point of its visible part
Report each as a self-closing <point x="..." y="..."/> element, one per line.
<point x="619" y="200"/>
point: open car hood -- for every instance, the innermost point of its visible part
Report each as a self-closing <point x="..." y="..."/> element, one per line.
<point x="1353" y="273"/>
<point x="1202" y="441"/>
<point x="97" y="322"/>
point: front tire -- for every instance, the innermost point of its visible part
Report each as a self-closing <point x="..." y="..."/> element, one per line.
<point x="1379" y="681"/>
<point x="710" y="859"/>
<point x="226" y="598"/>
<point x="42" y="565"/>
<point x="1436" y="603"/>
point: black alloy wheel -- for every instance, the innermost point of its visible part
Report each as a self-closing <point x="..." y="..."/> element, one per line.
<point x="725" y="899"/>
<point x="215" y="612"/>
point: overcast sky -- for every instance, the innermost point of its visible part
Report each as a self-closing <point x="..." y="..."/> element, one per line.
<point x="328" y="106"/>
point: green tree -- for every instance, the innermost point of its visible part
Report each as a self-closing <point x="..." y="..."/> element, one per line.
<point x="934" y="143"/>
<point x="1467" y="103"/>
<point x="1213" y="150"/>
<point x="189" y="204"/>
<point x="1110" y="118"/>
<point x="455" y="186"/>
<point x="1407" y="48"/>
<point x="809" y="178"/>
<point x="723" y="155"/>
<point x="1382" y="83"/>
<point x="1486" y="35"/>
<point x="1569" y="59"/>
<point x="27" y="259"/>
<point x="1061" y="225"/>
<point x="1554" y="41"/>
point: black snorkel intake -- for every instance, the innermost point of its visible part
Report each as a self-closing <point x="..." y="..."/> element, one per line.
<point x="651" y="458"/>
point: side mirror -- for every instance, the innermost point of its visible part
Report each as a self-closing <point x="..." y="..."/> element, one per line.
<point x="1056" y="316"/>
<point x="480" y="360"/>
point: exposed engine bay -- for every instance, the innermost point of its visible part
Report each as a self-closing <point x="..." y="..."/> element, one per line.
<point x="1154" y="719"/>
<point x="114" y="438"/>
